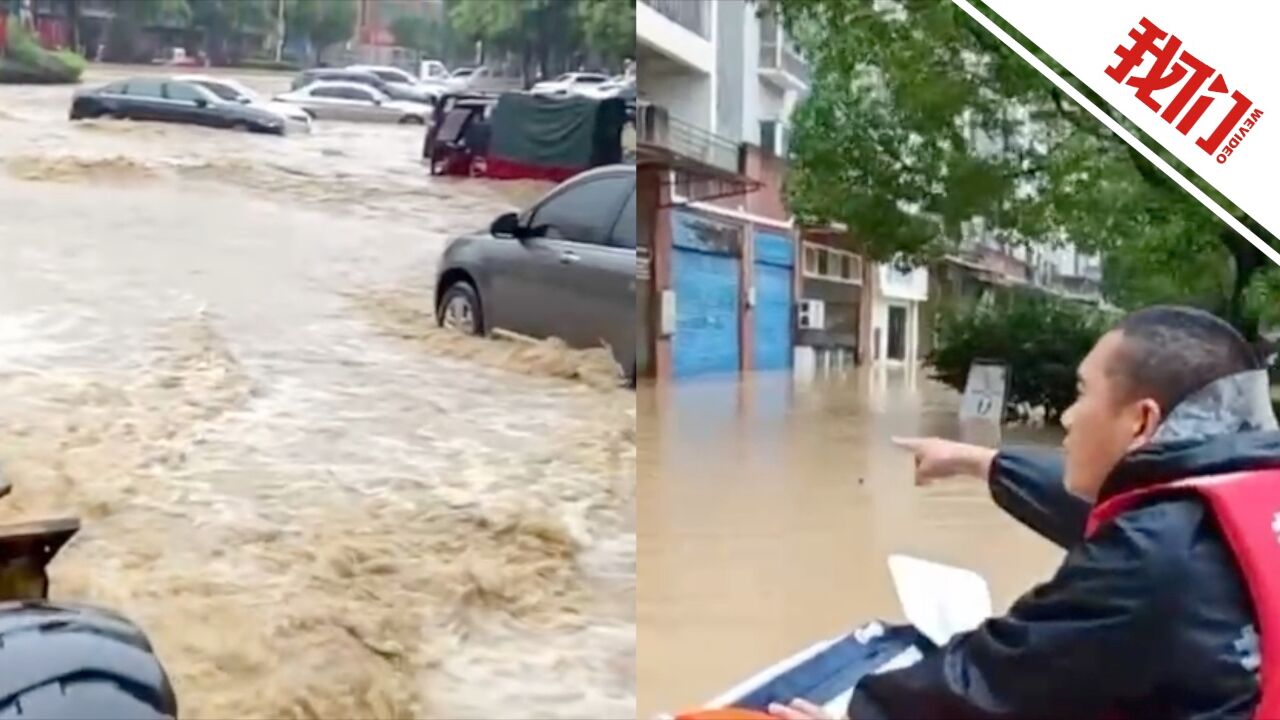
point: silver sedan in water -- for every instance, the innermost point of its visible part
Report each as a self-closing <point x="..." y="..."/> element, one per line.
<point x="334" y="100"/>
<point x="565" y="267"/>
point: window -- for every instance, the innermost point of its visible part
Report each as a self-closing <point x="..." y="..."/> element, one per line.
<point x="116" y="88"/>
<point x="810" y="259"/>
<point x="585" y="212"/>
<point x="146" y="88"/>
<point x="184" y="92"/>
<point x="223" y="91"/>
<point x="392" y="76"/>
<point x="624" y="232"/>
<point x="351" y="93"/>
<point x="769" y="136"/>
<point x="826" y="263"/>
<point x="343" y="92"/>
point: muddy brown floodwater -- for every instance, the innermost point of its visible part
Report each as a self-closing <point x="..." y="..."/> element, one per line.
<point x="767" y="511"/>
<point x="217" y="349"/>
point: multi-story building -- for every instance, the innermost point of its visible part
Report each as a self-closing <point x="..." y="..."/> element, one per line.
<point x="717" y="82"/>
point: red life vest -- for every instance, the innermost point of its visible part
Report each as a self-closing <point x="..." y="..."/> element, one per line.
<point x="1247" y="507"/>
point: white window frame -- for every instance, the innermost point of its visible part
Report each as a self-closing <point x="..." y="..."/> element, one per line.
<point x="834" y="256"/>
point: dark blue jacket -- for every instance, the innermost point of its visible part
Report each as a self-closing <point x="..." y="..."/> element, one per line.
<point x="1149" y="618"/>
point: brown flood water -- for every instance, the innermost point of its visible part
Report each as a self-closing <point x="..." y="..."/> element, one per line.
<point x="218" y="350"/>
<point x="767" y="511"/>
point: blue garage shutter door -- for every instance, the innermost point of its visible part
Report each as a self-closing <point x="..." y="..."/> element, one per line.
<point x="774" y="259"/>
<point x="705" y="273"/>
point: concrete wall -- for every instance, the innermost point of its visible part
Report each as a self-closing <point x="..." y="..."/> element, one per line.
<point x="730" y="53"/>
<point x="685" y="95"/>
<point x="674" y="41"/>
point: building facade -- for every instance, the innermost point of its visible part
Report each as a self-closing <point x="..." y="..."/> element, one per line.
<point x="716" y="86"/>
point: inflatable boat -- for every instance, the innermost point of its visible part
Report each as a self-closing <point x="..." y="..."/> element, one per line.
<point x="937" y="600"/>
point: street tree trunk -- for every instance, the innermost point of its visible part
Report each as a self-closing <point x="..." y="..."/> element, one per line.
<point x="280" y="30"/>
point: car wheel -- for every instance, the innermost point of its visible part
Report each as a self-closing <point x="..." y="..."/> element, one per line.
<point x="460" y="309"/>
<point x="412" y="120"/>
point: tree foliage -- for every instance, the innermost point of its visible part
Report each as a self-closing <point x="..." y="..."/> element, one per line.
<point x="1041" y="338"/>
<point x="919" y="122"/>
<point x="414" y="31"/>
<point x="609" y="26"/>
<point x="546" y="33"/>
<point x="324" y="22"/>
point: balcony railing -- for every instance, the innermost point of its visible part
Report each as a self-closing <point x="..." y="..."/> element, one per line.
<point x="689" y="14"/>
<point x="656" y="128"/>
<point x="778" y="54"/>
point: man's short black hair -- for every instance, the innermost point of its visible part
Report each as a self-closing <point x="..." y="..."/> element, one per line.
<point x="1171" y="351"/>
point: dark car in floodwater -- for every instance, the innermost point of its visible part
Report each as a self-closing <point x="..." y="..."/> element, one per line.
<point x="167" y="100"/>
<point x="564" y="268"/>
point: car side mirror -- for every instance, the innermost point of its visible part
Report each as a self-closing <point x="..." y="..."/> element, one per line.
<point x="245" y="101"/>
<point x="202" y="103"/>
<point x="507" y="225"/>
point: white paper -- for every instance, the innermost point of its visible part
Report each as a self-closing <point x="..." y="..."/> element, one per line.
<point x="940" y="600"/>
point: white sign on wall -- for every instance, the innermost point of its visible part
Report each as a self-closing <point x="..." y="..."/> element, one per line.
<point x="984" y="392"/>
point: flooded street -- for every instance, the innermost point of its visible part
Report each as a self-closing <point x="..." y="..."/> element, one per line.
<point x="217" y="349"/>
<point x="767" y="512"/>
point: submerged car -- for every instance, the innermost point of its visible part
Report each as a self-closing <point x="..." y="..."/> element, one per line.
<point x="393" y="90"/>
<point x="351" y="101"/>
<point x="401" y="84"/>
<point x="169" y="100"/>
<point x="232" y="90"/>
<point x="564" y="268"/>
<point x="570" y="84"/>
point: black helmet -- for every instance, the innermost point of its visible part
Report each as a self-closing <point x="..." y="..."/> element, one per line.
<point x="78" y="663"/>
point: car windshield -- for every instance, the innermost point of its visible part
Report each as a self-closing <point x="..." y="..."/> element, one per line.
<point x="462" y="73"/>
<point x="224" y="92"/>
<point x="391" y="76"/>
<point x="590" y="79"/>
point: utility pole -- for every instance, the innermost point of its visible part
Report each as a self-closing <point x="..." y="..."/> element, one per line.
<point x="280" y="30"/>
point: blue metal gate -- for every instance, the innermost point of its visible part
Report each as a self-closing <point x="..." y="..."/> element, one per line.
<point x="705" y="272"/>
<point x="774" y="259"/>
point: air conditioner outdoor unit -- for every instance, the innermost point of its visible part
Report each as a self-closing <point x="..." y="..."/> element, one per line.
<point x="813" y="315"/>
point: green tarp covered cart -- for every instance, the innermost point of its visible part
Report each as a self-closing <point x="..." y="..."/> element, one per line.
<point x="553" y="138"/>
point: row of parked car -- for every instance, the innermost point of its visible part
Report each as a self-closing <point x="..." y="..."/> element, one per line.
<point x="355" y="93"/>
<point x="358" y="92"/>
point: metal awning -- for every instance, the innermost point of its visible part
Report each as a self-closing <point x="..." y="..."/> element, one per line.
<point x="701" y="165"/>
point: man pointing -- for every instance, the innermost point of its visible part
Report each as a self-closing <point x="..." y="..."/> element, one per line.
<point x="1162" y="497"/>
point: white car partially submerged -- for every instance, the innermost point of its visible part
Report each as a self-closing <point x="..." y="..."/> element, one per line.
<point x="232" y="90"/>
<point x="584" y="84"/>
<point x="408" y="86"/>
<point x="335" y="100"/>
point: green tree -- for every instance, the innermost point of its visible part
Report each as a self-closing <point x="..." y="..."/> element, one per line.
<point x="609" y="26"/>
<point x="417" y="32"/>
<point x="323" y="22"/>
<point x="1042" y="338"/>
<point x="548" y="34"/>
<point x="223" y="21"/>
<point x="919" y="122"/>
<point x="123" y="38"/>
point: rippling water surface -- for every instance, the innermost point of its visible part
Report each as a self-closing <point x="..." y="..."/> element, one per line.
<point x="217" y="349"/>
